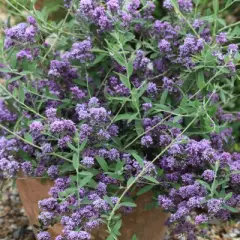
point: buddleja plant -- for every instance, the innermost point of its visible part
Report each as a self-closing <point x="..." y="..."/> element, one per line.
<point x="112" y="103"/>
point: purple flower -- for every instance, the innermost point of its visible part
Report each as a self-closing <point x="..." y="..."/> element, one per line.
<point x="141" y="62"/>
<point x="32" y="21"/>
<point x="27" y="168"/>
<point x="98" y="114"/>
<point x="102" y="188"/>
<point x="202" y="218"/>
<point x="46" y="218"/>
<point x="36" y="127"/>
<point x="53" y="172"/>
<point x="208" y="175"/>
<point x="93" y="224"/>
<point x="48" y="204"/>
<point x="100" y="205"/>
<point x="25" y="53"/>
<point x="147" y="141"/>
<point x="87" y="162"/>
<point x="64" y="141"/>
<point x="51" y="113"/>
<point x="85" y="132"/>
<point x="147" y="106"/>
<point x="44" y="236"/>
<point x="78" y="93"/>
<point x="81" y="235"/>
<point x="184" y="5"/>
<point x="195" y="202"/>
<point x="113" y="154"/>
<point x="180" y="213"/>
<point x="152" y="88"/>
<point x="232" y="48"/>
<point x="188" y="178"/>
<point x="134" y="5"/>
<point x="214" y="205"/>
<point x="113" y="5"/>
<point x="165" y="203"/>
<point x="221" y="38"/>
<point x="234" y="167"/>
<point x="61" y="126"/>
<point x="62" y="69"/>
<point x="164" y="46"/>
<point x="80" y="51"/>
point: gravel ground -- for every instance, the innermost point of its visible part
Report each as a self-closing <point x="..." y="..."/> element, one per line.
<point x="14" y="224"/>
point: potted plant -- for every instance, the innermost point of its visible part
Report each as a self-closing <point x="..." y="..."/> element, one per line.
<point x="121" y="118"/>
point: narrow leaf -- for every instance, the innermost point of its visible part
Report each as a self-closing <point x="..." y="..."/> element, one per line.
<point x="85" y="181"/>
<point x="75" y="161"/>
<point x="102" y="163"/>
<point x="138" y="158"/>
<point x="28" y="137"/>
<point x="205" y="184"/>
<point x="144" y="189"/>
<point x="128" y="204"/>
<point x="151" y="179"/>
<point x="130" y="181"/>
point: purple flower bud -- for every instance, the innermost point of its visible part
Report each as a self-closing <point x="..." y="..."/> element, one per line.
<point x="88" y="162"/>
<point x="221" y="38"/>
<point x="44" y="236"/>
<point x="202" y="218"/>
<point x="208" y="175"/>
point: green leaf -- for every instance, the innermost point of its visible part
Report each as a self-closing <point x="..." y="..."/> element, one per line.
<point x="98" y="59"/>
<point x="71" y="147"/>
<point x="108" y="200"/>
<point x="134" y="237"/>
<point x="128" y="204"/>
<point x="118" y="58"/>
<point x="117" y="226"/>
<point x="126" y="116"/>
<point x="164" y="97"/>
<point x="124" y="79"/>
<point x="162" y="107"/>
<point x="82" y="146"/>
<point x="215" y="7"/>
<point x="130" y="181"/>
<point x="13" y="61"/>
<point x="21" y="94"/>
<point x="151" y="179"/>
<point x="110" y="237"/>
<point x="28" y="137"/>
<point x="138" y="127"/>
<point x="175" y="3"/>
<point x="201" y="80"/>
<point x="130" y="69"/>
<point x="228" y="196"/>
<point x="205" y="184"/>
<point x="144" y="190"/>
<point x="102" y="163"/>
<point x="119" y="165"/>
<point x="13" y="79"/>
<point x="138" y="158"/>
<point x="231" y="209"/>
<point x="75" y="161"/>
<point x="85" y="181"/>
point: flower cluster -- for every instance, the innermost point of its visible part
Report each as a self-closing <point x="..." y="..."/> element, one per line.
<point x="123" y="103"/>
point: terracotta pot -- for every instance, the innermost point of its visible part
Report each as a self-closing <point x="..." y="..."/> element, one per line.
<point x="146" y="224"/>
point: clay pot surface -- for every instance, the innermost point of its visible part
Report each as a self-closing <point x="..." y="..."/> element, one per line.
<point x="146" y="224"/>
